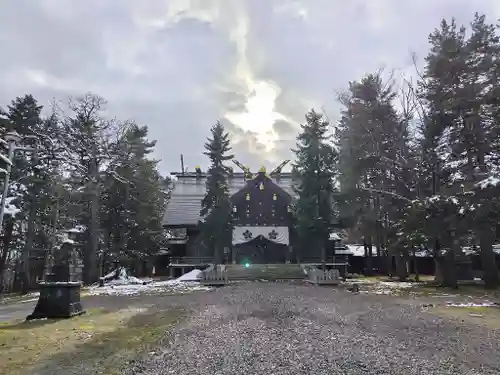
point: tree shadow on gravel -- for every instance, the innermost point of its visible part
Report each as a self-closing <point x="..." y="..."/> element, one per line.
<point x="111" y="352"/>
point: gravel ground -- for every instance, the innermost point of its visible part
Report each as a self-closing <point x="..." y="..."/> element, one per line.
<point x="273" y="328"/>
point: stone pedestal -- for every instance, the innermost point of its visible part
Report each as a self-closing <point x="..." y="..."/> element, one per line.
<point x="58" y="299"/>
<point x="59" y="294"/>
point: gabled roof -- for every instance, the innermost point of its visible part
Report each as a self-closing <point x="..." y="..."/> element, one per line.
<point x="183" y="208"/>
<point x="270" y="183"/>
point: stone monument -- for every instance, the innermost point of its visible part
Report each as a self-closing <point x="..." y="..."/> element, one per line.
<point x="60" y="292"/>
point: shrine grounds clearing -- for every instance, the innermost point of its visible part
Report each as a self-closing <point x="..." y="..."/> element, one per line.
<point x="258" y="327"/>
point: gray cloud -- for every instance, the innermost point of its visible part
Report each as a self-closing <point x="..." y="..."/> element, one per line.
<point x="179" y="65"/>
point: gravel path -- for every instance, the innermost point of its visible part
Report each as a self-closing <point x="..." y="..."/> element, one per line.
<point x="259" y="328"/>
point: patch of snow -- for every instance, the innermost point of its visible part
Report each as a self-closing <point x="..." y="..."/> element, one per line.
<point x="10" y="208"/>
<point x="472" y="304"/>
<point x="381" y="287"/>
<point x="334" y="236"/>
<point x="33" y="297"/>
<point x="77" y="229"/>
<point x="193" y="275"/>
<point x="123" y="278"/>
<point x="128" y="285"/>
<point x="358" y="250"/>
<point x="490" y="181"/>
<point x="154" y="287"/>
<point x="396" y="284"/>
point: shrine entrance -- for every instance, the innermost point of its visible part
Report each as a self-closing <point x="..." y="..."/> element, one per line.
<point x="260" y="245"/>
<point x="260" y="251"/>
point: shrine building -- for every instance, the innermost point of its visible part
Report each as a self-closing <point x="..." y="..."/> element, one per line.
<point x="262" y="220"/>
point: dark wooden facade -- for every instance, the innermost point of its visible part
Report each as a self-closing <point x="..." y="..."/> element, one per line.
<point x="261" y="203"/>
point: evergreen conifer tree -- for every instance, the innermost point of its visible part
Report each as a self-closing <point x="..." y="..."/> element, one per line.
<point x="216" y="205"/>
<point x="315" y="169"/>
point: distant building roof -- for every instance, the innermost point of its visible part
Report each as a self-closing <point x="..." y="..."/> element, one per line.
<point x="183" y="208"/>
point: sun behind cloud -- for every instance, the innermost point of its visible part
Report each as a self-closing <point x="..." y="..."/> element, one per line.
<point x="259" y="115"/>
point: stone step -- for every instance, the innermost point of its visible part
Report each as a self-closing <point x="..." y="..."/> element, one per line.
<point x="264" y="271"/>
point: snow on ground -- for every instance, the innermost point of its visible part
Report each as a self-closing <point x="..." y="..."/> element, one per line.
<point x="30" y="297"/>
<point x="193" y="275"/>
<point x="473" y="304"/>
<point x="382" y="287"/>
<point x="395" y="288"/>
<point x="124" y="278"/>
<point x="133" y="286"/>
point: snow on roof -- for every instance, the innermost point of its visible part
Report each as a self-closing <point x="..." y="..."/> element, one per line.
<point x="171" y="177"/>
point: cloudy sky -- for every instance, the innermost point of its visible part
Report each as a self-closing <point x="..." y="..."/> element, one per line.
<point x="180" y="65"/>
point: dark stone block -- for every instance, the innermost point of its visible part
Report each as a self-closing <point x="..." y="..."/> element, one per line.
<point x="58" y="300"/>
<point x="51" y="277"/>
<point x="61" y="272"/>
<point x="464" y="271"/>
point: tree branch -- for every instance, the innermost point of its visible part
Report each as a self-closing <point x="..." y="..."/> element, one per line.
<point x="395" y="195"/>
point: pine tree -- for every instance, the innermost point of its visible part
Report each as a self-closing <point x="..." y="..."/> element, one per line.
<point x="132" y="199"/>
<point x="460" y="131"/>
<point x="89" y="173"/>
<point x="87" y="139"/>
<point x="24" y="115"/>
<point x="216" y="204"/>
<point x="375" y="168"/>
<point x="315" y="169"/>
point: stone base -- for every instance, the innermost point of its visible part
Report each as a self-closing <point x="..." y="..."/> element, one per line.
<point x="58" y="300"/>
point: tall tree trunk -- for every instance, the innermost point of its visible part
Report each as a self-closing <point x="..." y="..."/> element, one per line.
<point x="217" y="253"/>
<point x="415" y="265"/>
<point x="401" y="268"/>
<point x="450" y="267"/>
<point x="90" y="255"/>
<point x="491" y="277"/>
<point x="368" y="256"/>
<point x="28" y="248"/>
<point x="49" y="253"/>
<point x="323" y="254"/>
<point x="7" y="239"/>
<point x="123" y="228"/>
<point x="481" y="145"/>
<point x="438" y="262"/>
